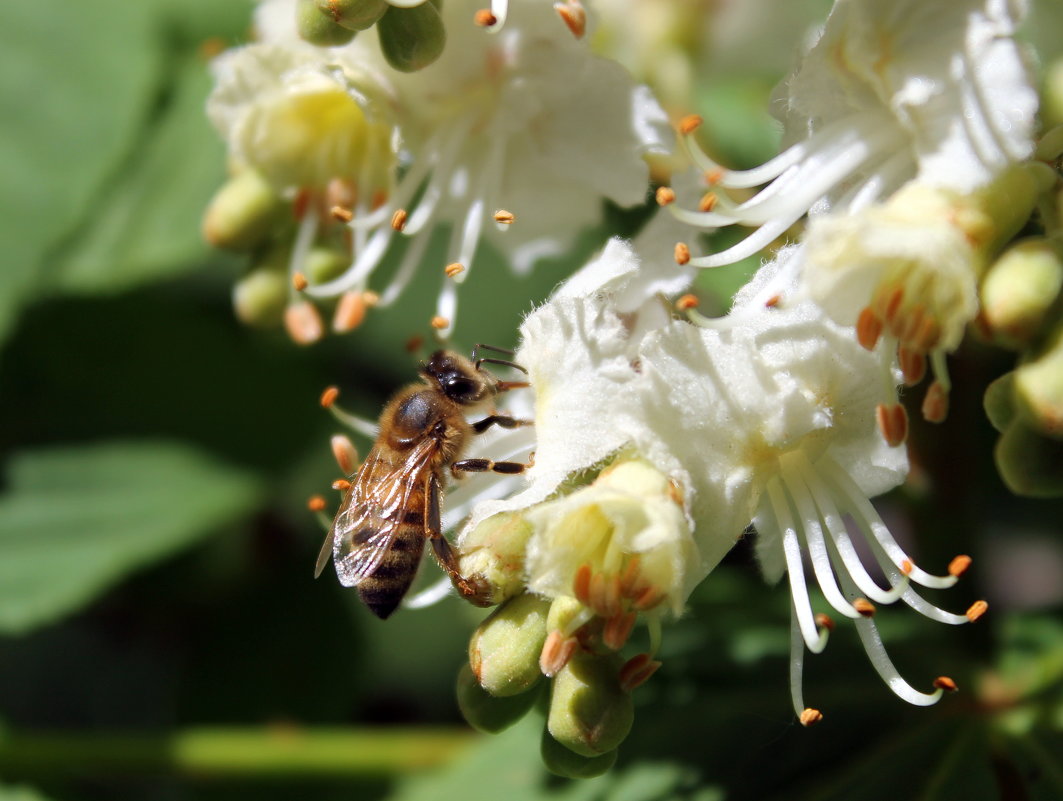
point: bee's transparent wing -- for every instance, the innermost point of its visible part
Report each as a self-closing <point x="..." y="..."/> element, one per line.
<point x="372" y="512"/>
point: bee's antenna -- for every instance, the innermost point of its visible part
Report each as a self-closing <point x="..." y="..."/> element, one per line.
<point x="496" y="349"/>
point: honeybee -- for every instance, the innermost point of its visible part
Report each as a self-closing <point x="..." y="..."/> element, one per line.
<point x="392" y="506"/>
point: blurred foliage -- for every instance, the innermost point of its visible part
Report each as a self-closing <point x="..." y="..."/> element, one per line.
<point x="162" y="636"/>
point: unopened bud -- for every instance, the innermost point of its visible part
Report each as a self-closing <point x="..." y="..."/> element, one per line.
<point x="1020" y="289"/>
<point x="999" y="401"/>
<point x="563" y="762"/>
<point x="504" y="650"/>
<point x="484" y="711"/>
<point x="589" y="712"/>
<point x="355" y="15"/>
<point x="317" y="27"/>
<point x="1029" y="463"/>
<point x="323" y="264"/>
<point x="495" y="551"/>
<point x="1039" y="388"/>
<point x="412" y="38"/>
<point x="242" y="213"/>
<point x="260" y="296"/>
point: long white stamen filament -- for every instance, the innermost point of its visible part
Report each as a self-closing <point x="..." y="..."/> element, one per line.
<point x="361" y="425"/>
<point x="304" y="239"/>
<point x="885" y="178"/>
<point x="411" y="260"/>
<point x="867" y="518"/>
<point x="447" y="307"/>
<point x="815" y="640"/>
<point x="429" y="596"/>
<point x="797" y="662"/>
<point x="364" y="264"/>
<point x="754" y="243"/>
<point x="876" y="653"/>
<point x="500" y="11"/>
<point x="817" y="548"/>
<point x="844" y="545"/>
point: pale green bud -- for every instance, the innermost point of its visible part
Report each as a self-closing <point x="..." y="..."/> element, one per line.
<point x="589" y="712"/>
<point x="1029" y="463"/>
<point x="412" y="38"/>
<point x="260" y="297"/>
<point x="504" y="650"/>
<point x="323" y="264"/>
<point x="484" y="711"/>
<point x="356" y="15"/>
<point x="318" y="27"/>
<point x="999" y="401"/>
<point x="563" y="762"/>
<point x="1052" y="94"/>
<point x="242" y="213"/>
<point x="1020" y="289"/>
<point x="494" y="550"/>
<point x="1039" y="388"/>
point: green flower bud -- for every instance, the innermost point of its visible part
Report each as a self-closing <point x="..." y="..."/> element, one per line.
<point x="1039" y="388"/>
<point x="504" y="650"/>
<point x="999" y="401"/>
<point x="412" y="38"/>
<point x="242" y="213"/>
<point x="1052" y="94"/>
<point x="259" y="298"/>
<point x="484" y="711"/>
<point x="323" y="264"/>
<point x="1030" y="464"/>
<point x="318" y="27"/>
<point x="1019" y="290"/>
<point x="495" y="551"/>
<point x="355" y="15"/>
<point x="589" y="712"/>
<point x="563" y="762"/>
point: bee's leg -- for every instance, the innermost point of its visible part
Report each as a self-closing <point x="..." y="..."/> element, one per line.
<point x="500" y="420"/>
<point x="487" y="466"/>
<point x="472" y="589"/>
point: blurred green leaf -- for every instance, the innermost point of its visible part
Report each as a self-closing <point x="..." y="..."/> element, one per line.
<point x="75" y="520"/>
<point x="72" y="101"/>
<point x="20" y="793"/>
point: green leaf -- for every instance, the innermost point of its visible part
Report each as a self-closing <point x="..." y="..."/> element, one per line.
<point x="76" y="520"/>
<point x="19" y="793"/>
<point x="75" y="83"/>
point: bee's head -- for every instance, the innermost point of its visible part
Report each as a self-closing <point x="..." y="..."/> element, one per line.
<point x="456" y="377"/>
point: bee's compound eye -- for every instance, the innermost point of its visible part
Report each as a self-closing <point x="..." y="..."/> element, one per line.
<point x="460" y="387"/>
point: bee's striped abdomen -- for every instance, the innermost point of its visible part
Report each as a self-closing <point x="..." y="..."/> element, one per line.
<point x="383" y="590"/>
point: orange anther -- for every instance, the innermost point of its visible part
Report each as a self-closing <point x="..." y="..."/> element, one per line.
<point x="945" y="683"/>
<point x="581" y="584"/>
<point x="714" y="176"/>
<point x="453" y="269"/>
<point x="773" y="301"/>
<point x="682" y="253"/>
<point x="398" y="219"/>
<point x="505" y="217"/>
<point x="687" y="302"/>
<point x="380" y="197"/>
<point x="708" y="201"/>
<point x="636" y="671"/>
<point x="316" y="503"/>
<point x="414" y="343"/>
<point x="341" y="213"/>
<point x="647" y="598"/>
<point x="484" y="18"/>
<point x="936" y="403"/>
<point x="665" y="195"/>
<point x="689" y="124"/>
<point x="574" y="16"/>
<point x="959" y="564"/>
<point x="907" y="567"/>
<point x="864" y="607"/>
<point x="810" y="717"/>
<point x="299" y="281"/>
<point x="341" y="192"/>
<point x="893" y="307"/>
<point x="868" y="328"/>
<point x="345" y="453"/>
<point x="892" y="423"/>
<point x="341" y="484"/>
<point x="371" y="298"/>
<point x="912" y="364"/>
<point x="439" y="323"/>
<point x="350" y="312"/>
<point x="303" y="323"/>
<point x="328" y="397"/>
<point x="557" y="651"/>
<point x="825" y="621"/>
<point x="976" y="610"/>
<point x="617" y="629"/>
<point x="629" y="578"/>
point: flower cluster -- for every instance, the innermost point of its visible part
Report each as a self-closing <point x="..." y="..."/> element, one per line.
<point x="513" y="139"/>
<point x="661" y="437"/>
